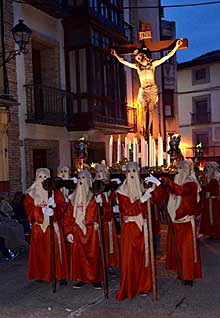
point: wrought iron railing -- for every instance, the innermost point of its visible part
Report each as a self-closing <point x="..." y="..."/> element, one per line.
<point x="57" y="9"/>
<point x="56" y="107"/>
<point x="47" y="105"/>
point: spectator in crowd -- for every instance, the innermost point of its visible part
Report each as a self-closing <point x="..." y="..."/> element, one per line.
<point x="12" y="238"/>
<point x="20" y="213"/>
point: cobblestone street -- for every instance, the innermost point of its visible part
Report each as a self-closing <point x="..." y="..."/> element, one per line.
<point x="22" y="298"/>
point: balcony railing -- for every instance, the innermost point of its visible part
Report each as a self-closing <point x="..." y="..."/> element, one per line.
<point x="46" y="105"/>
<point x="56" y="107"/>
<point x="200" y="118"/>
<point x="58" y="9"/>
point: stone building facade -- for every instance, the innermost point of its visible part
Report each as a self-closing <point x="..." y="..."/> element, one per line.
<point x="10" y="163"/>
<point x="198" y="100"/>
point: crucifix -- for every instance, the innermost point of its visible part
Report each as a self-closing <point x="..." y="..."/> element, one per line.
<point x="145" y="67"/>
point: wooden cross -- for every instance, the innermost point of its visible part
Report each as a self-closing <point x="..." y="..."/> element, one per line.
<point x="145" y="41"/>
<point x="148" y="96"/>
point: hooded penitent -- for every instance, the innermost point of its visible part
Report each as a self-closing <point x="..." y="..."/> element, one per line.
<point x="185" y="173"/>
<point x="212" y="171"/>
<point x="63" y="172"/>
<point x="131" y="186"/>
<point x="36" y="190"/>
<point x="81" y="197"/>
<point x="102" y="172"/>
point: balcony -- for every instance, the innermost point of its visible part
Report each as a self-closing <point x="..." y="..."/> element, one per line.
<point x="57" y="9"/>
<point x="56" y="107"/>
<point x="46" y="105"/>
<point x="200" y="118"/>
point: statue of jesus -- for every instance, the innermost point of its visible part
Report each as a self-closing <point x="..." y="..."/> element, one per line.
<point x="145" y="66"/>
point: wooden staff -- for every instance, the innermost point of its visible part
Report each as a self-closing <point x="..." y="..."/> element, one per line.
<point x="52" y="249"/>
<point x="102" y="246"/>
<point x="154" y="280"/>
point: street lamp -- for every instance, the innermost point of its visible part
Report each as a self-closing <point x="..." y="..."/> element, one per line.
<point x="21" y="34"/>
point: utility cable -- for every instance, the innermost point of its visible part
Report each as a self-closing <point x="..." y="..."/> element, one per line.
<point x="172" y="6"/>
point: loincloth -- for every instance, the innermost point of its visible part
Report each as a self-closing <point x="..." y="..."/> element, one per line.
<point x="148" y="97"/>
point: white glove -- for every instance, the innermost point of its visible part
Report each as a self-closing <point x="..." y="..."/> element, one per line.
<point x="96" y="226"/>
<point x="116" y="180"/>
<point x="98" y="199"/>
<point x="116" y="208"/>
<point x="48" y="211"/>
<point x="153" y="180"/>
<point x="51" y="202"/>
<point x="70" y="238"/>
<point x="146" y="196"/>
<point x="75" y="180"/>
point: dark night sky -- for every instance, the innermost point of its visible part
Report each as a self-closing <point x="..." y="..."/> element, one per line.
<point x="199" y="24"/>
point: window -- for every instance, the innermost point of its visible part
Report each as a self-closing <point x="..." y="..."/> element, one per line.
<point x="201" y="110"/>
<point x="168" y="103"/>
<point x="72" y="68"/>
<point x="203" y="137"/>
<point x="200" y="75"/>
<point x="97" y="39"/>
<point x="84" y="105"/>
<point x="78" y="70"/>
<point x="82" y="71"/>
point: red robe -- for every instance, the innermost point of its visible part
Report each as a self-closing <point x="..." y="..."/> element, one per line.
<point x="86" y="262"/>
<point x="135" y="277"/>
<point x="40" y="253"/>
<point x="112" y="257"/>
<point x="183" y="232"/>
<point x="210" y="218"/>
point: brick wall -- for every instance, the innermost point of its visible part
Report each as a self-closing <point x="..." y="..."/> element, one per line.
<point x="13" y="129"/>
<point x="52" y="147"/>
<point x="50" y="69"/>
<point x="50" y="65"/>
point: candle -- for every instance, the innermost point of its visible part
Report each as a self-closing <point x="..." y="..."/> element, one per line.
<point x="126" y="148"/>
<point x="134" y="149"/>
<point x="119" y="149"/>
<point x="167" y="148"/>
<point x="146" y="153"/>
<point x="143" y="155"/>
<point x="150" y="154"/>
<point x="154" y="152"/>
<point x="160" y="151"/>
<point x="137" y="151"/>
<point x="110" y="151"/>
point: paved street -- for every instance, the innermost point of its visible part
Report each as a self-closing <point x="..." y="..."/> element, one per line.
<point x="22" y="298"/>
